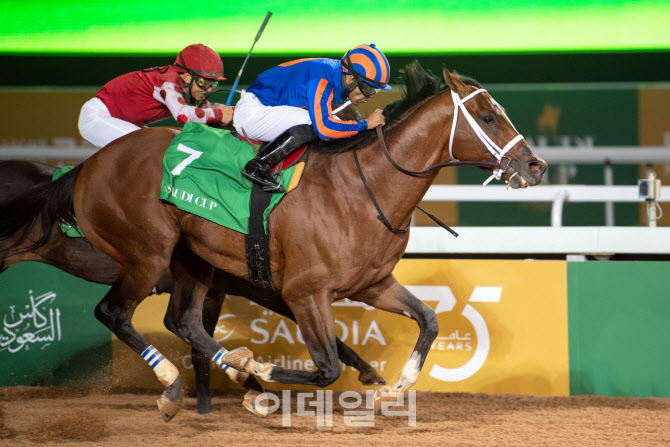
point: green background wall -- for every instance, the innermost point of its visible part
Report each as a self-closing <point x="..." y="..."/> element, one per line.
<point x="57" y="342"/>
<point x="598" y="115"/>
<point x="618" y="328"/>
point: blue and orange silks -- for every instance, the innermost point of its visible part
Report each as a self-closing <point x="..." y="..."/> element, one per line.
<point x="313" y="84"/>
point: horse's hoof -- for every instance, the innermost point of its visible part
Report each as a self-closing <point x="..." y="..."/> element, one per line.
<point x="169" y="403"/>
<point x="168" y="408"/>
<point x="238" y="358"/>
<point x="371" y="377"/>
<point x="385" y="394"/>
<point x="261" y="370"/>
<point x="251" y="404"/>
<point x="204" y="407"/>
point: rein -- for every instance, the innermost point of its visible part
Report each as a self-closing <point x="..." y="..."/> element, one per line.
<point x="496" y="167"/>
<point x="380" y="216"/>
<point x="382" y="143"/>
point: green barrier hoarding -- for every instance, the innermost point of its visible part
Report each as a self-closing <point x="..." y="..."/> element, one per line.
<point x="617" y="315"/>
<point x="49" y="335"/>
<point x="616" y="328"/>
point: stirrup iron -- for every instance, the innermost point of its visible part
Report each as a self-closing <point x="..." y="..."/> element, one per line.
<point x="279" y="178"/>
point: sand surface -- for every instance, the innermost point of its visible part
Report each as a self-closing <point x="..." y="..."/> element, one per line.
<point x="73" y="416"/>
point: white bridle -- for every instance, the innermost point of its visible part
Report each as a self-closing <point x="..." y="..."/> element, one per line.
<point x="490" y="145"/>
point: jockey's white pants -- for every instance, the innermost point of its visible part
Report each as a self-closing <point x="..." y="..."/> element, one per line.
<point x="98" y="126"/>
<point x="265" y="123"/>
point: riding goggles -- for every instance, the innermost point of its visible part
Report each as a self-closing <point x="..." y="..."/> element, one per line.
<point x="205" y="84"/>
<point x="367" y="89"/>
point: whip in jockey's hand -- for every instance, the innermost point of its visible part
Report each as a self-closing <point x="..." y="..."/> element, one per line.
<point x="227" y="113"/>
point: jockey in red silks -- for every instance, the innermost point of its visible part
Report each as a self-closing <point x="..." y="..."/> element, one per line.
<point x="290" y="105"/>
<point x="136" y="99"/>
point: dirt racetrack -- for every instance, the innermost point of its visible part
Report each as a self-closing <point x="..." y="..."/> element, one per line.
<point x="84" y="417"/>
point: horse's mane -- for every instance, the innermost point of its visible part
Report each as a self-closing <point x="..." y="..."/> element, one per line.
<point x="417" y="85"/>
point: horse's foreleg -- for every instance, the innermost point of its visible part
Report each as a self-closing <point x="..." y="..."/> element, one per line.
<point x="185" y="318"/>
<point x="317" y="325"/>
<point x="273" y="301"/>
<point x="391" y="296"/>
<point x="367" y="374"/>
<point x="116" y="311"/>
<point x="201" y="364"/>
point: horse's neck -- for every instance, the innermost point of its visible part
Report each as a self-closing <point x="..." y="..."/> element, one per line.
<point x="416" y="143"/>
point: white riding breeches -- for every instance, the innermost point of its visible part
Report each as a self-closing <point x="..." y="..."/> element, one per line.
<point x="99" y="127"/>
<point x="265" y="123"/>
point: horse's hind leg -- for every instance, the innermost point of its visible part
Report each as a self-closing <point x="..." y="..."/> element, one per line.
<point x="116" y="311"/>
<point x="391" y="296"/>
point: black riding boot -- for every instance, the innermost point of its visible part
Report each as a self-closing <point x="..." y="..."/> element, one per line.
<point x="258" y="168"/>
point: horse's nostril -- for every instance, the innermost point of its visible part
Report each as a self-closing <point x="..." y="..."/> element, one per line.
<point x="535" y="166"/>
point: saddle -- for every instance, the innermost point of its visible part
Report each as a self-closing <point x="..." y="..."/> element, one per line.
<point x="293" y="158"/>
<point x="202" y="175"/>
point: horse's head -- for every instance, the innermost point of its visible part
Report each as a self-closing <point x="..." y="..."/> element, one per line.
<point x="479" y="118"/>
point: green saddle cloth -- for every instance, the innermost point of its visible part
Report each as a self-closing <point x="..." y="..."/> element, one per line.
<point x="202" y="175"/>
<point x="69" y="230"/>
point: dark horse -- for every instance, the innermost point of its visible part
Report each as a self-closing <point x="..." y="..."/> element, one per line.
<point x="78" y="257"/>
<point x="327" y="238"/>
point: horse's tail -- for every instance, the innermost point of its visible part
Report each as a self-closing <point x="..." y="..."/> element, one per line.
<point x="38" y="209"/>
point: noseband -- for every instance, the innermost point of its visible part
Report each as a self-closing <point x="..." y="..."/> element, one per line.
<point x="493" y="148"/>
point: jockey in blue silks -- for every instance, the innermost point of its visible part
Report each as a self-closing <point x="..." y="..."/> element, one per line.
<point x="291" y="104"/>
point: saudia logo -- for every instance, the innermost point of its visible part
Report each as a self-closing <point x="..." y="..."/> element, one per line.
<point x="274" y="330"/>
<point x="467" y="340"/>
<point x="460" y="339"/>
<point x="354" y="332"/>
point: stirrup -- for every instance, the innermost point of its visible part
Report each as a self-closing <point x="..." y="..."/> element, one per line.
<point x="278" y="188"/>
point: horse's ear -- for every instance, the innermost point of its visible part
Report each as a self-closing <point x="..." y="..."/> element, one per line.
<point x="453" y="80"/>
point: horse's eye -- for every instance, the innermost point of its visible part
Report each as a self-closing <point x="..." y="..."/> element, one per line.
<point x="488" y="119"/>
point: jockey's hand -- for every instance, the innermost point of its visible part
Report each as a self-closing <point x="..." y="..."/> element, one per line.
<point x="376" y="119"/>
<point x="227" y="113"/>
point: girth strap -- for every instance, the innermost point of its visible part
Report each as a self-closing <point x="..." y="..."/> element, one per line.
<point x="258" y="243"/>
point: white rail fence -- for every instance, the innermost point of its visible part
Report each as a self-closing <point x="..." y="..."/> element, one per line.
<point x="602" y="155"/>
<point x="573" y="243"/>
<point x="557" y="195"/>
<point x="553" y="239"/>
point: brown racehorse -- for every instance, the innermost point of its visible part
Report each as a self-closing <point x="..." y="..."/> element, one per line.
<point x="76" y="256"/>
<point x="327" y="239"/>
